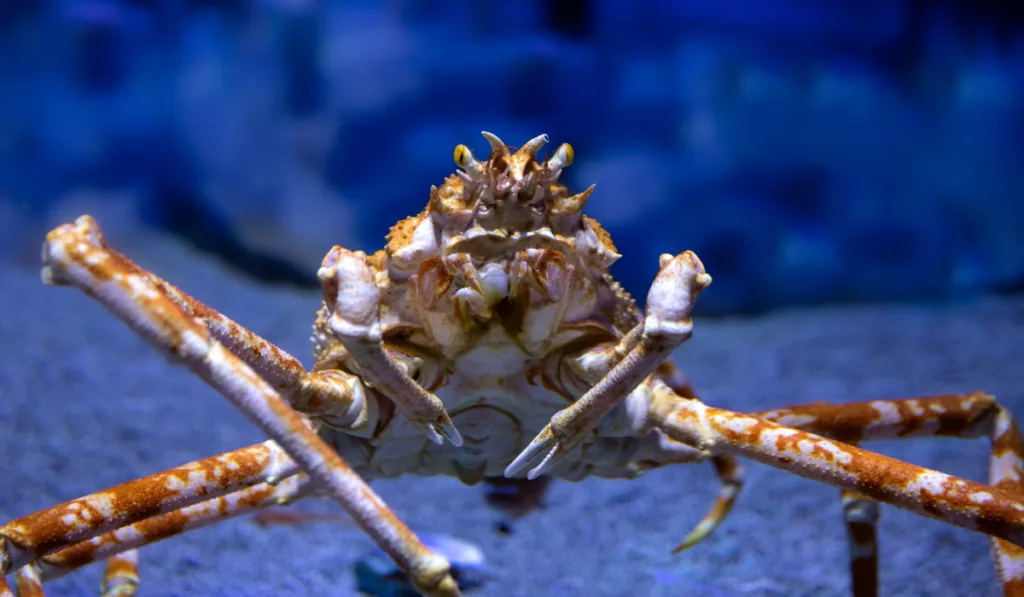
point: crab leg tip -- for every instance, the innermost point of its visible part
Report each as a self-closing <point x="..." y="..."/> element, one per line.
<point x="547" y="464"/>
<point x="450" y="433"/>
<point x="430" y="431"/>
<point x="529" y="455"/>
<point x="536" y="450"/>
<point x="519" y="464"/>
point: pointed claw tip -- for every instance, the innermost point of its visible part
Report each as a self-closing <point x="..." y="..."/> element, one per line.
<point x="432" y="434"/>
<point x="512" y="470"/>
<point x="517" y="465"/>
<point x="539" y="471"/>
<point x="452" y="434"/>
<point x="456" y="441"/>
<point x="545" y="465"/>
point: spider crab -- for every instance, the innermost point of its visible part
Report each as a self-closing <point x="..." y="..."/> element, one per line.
<point x="486" y="340"/>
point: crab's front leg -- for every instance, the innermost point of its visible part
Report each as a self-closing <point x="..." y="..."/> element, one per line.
<point x="353" y="301"/>
<point x="666" y="326"/>
<point x="77" y="255"/>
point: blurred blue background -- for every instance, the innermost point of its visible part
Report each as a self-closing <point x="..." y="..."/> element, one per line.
<point x="857" y="150"/>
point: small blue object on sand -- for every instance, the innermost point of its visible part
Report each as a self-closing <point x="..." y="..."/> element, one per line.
<point x="378" y="576"/>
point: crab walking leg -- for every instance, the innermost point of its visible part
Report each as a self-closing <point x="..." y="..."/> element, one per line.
<point x="121" y="579"/>
<point x="332" y="395"/>
<point x="666" y="326"/>
<point x="35" y="535"/>
<point x="280" y="369"/>
<point x="730" y="474"/>
<point x="28" y="583"/>
<point x="157" y="528"/>
<point x="861" y="516"/>
<point x="727" y="468"/>
<point x="1007" y="474"/>
<point x="76" y="255"/>
<point x="949" y="415"/>
<point x="954" y="415"/>
<point x="335" y="396"/>
<point x="963" y="503"/>
<point x="353" y="301"/>
<point x="590" y="366"/>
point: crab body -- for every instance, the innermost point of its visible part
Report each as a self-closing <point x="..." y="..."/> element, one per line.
<point x="486" y="294"/>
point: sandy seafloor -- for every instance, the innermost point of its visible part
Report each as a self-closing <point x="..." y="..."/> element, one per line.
<point x="85" y="405"/>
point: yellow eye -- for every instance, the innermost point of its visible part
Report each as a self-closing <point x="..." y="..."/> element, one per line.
<point x="462" y="155"/>
<point x="569" y="153"/>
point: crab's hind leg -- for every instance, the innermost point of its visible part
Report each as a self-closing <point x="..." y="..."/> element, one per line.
<point x="951" y="415"/>
<point x="119" y="547"/>
<point x="31" y="537"/>
<point x="157" y="528"/>
<point x="27" y="583"/>
<point x="76" y="254"/>
<point x="995" y="511"/>
<point x="730" y="478"/>
<point x="121" y="578"/>
<point x="728" y="469"/>
<point x="38" y="539"/>
<point x="860" y="514"/>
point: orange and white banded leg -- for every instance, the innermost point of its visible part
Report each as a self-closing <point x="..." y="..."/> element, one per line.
<point x="131" y="537"/>
<point x="27" y="582"/>
<point x="31" y="537"/>
<point x="728" y="469"/>
<point x="76" y="254"/>
<point x="994" y="511"/>
<point x="121" y="578"/>
<point x="951" y="415"/>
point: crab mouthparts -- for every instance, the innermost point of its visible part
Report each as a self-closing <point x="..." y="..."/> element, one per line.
<point x="487" y="244"/>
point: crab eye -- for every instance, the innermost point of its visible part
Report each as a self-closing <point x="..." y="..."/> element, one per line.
<point x="462" y="155"/>
<point x="569" y="153"/>
<point x="483" y="208"/>
<point x="538" y="207"/>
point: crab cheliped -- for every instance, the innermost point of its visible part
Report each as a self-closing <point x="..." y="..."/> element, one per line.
<point x="487" y="340"/>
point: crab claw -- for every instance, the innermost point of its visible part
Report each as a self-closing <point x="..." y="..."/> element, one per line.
<point x="353" y="300"/>
<point x="667" y="324"/>
<point x="546" y="448"/>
